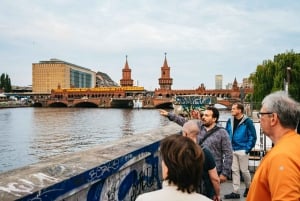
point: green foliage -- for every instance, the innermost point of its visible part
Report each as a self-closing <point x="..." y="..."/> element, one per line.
<point x="270" y="76"/>
<point x="5" y="83"/>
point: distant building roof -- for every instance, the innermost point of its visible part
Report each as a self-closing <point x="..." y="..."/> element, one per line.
<point x="54" y="60"/>
<point x="21" y="89"/>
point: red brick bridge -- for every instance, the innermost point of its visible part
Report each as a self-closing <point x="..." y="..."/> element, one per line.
<point x="157" y="102"/>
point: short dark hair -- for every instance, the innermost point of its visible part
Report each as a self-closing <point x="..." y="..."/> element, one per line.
<point x="215" y="112"/>
<point x="239" y="106"/>
<point x="184" y="160"/>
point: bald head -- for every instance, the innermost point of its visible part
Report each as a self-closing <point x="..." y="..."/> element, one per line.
<point x="190" y="129"/>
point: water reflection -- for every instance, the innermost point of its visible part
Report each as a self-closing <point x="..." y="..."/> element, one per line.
<point x="29" y="135"/>
<point x="126" y="127"/>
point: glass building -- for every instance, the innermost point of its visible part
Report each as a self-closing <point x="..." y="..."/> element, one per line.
<point x="53" y="74"/>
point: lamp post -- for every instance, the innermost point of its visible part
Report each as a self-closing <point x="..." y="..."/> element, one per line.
<point x="288" y="72"/>
<point x="242" y="95"/>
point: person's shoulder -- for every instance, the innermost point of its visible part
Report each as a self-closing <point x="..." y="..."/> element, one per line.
<point x="149" y="196"/>
<point x="221" y="129"/>
<point x="222" y="133"/>
<point x="207" y="154"/>
<point x="247" y="119"/>
<point x="205" y="150"/>
<point x="230" y="119"/>
<point x="203" y="197"/>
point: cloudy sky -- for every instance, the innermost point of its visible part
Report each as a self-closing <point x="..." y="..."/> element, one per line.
<point x="202" y="38"/>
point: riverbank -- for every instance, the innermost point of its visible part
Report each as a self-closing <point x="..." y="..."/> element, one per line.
<point x="13" y="104"/>
<point x="29" y="134"/>
<point x="118" y="168"/>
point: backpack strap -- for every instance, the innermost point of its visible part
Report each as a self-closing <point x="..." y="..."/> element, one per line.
<point x="209" y="133"/>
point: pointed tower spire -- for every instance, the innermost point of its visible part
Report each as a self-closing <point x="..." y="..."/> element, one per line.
<point x="126" y="63"/>
<point x="126" y="75"/>
<point x="235" y="84"/>
<point x="165" y="81"/>
<point x="165" y="62"/>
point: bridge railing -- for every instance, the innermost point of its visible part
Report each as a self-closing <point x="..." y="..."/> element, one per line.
<point x="262" y="146"/>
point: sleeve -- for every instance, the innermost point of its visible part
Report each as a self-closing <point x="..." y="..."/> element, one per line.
<point x="228" y="127"/>
<point x="177" y="119"/>
<point x="227" y="153"/>
<point x="209" y="159"/>
<point x="251" y="133"/>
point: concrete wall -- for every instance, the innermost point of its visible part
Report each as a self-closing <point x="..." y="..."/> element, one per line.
<point x="120" y="170"/>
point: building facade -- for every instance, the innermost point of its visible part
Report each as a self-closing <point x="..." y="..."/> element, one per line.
<point x="247" y="83"/>
<point x="218" y="81"/>
<point x="53" y="74"/>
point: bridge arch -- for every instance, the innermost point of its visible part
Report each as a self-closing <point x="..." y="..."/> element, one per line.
<point x="86" y="104"/>
<point x="57" y="104"/>
<point x="37" y="104"/>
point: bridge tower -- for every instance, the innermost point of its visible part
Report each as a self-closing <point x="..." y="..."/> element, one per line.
<point x="165" y="81"/>
<point x="126" y="76"/>
<point x="235" y="85"/>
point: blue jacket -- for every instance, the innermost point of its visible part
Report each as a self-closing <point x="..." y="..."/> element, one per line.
<point x="244" y="137"/>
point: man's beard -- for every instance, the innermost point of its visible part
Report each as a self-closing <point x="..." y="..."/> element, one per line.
<point x="206" y="124"/>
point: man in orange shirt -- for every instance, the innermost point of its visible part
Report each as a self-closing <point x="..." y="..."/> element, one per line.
<point x="278" y="176"/>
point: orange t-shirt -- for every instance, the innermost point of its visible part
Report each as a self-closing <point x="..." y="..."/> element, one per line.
<point x="278" y="175"/>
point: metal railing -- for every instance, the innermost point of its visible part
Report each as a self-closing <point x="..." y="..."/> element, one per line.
<point x="262" y="146"/>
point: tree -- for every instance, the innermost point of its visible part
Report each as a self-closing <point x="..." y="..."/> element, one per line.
<point x="270" y="76"/>
<point x="5" y="83"/>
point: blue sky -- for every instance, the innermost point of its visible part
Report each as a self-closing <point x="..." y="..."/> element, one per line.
<point x="202" y="38"/>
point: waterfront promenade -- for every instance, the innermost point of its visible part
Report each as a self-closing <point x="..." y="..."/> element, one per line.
<point x="226" y="188"/>
<point x="123" y="169"/>
<point x="79" y="138"/>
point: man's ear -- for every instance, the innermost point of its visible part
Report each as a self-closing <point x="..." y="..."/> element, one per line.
<point x="164" y="170"/>
<point x="274" y="119"/>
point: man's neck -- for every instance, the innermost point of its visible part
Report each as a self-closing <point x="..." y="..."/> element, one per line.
<point x="239" y="116"/>
<point x="280" y="132"/>
<point x="210" y="126"/>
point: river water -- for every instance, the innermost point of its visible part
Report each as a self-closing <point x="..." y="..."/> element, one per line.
<point x="29" y="135"/>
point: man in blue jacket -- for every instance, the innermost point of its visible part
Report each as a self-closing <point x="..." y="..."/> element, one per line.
<point x="242" y="134"/>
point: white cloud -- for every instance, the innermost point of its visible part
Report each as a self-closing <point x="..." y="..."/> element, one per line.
<point x="202" y="38"/>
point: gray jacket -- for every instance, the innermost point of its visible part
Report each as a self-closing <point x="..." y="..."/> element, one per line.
<point x="218" y="143"/>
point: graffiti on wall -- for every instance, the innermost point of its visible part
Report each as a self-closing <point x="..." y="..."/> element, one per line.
<point x="22" y="186"/>
<point x="184" y="104"/>
<point x="123" y="178"/>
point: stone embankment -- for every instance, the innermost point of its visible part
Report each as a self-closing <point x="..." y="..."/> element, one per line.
<point x="120" y="170"/>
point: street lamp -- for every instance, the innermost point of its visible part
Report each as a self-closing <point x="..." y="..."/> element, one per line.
<point x="288" y="72"/>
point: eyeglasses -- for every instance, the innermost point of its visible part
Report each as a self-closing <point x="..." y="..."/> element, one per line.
<point x="259" y="114"/>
